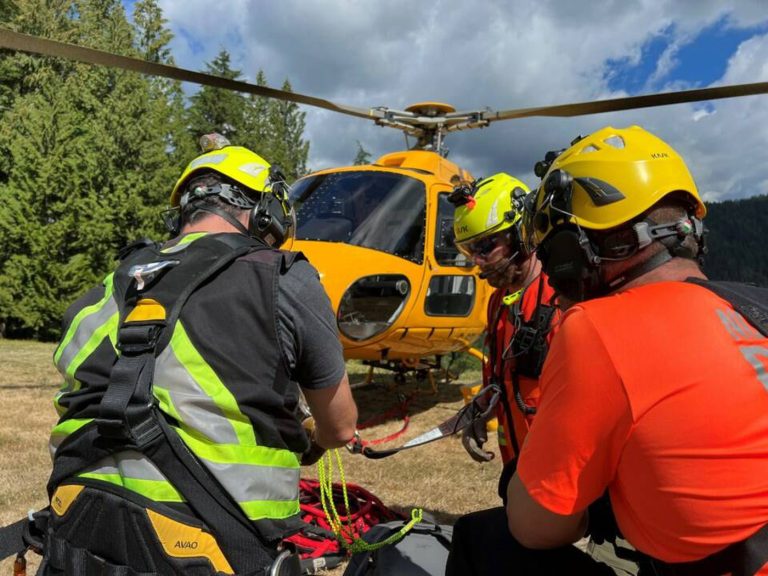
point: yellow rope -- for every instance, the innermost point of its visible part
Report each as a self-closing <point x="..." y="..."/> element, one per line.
<point x="325" y="478"/>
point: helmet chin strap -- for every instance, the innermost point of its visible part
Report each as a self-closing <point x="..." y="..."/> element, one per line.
<point x="636" y="271"/>
<point x="229" y="218"/>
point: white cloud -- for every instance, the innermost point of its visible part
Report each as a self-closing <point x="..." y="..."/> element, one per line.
<point x="501" y="54"/>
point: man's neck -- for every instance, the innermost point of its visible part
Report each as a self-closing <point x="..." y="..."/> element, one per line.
<point x="212" y="224"/>
<point x="675" y="270"/>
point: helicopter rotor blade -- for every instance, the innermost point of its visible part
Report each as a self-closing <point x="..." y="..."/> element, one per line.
<point x="43" y="46"/>
<point x="631" y="102"/>
<point x="407" y="121"/>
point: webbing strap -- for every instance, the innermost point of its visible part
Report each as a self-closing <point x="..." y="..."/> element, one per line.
<point x="466" y="415"/>
<point x="12" y="538"/>
<point x="209" y="501"/>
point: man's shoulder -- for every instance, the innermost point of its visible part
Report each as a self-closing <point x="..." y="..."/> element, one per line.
<point x="670" y="301"/>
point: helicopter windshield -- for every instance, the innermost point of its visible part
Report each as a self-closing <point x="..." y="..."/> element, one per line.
<point x="378" y="210"/>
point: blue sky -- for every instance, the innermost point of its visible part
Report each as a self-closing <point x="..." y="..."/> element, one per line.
<point x="504" y="54"/>
<point x="697" y="61"/>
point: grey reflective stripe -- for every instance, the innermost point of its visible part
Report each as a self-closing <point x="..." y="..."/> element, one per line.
<point x="736" y="325"/>
<point x="247" y="482"/>
<point x="756" y="356"/>
<point x="128" y="464"/>
<point x="195" y="408"/>
<point x="84" y="331"/>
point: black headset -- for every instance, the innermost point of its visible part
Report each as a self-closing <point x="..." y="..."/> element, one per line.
<point x="268" y="220"/>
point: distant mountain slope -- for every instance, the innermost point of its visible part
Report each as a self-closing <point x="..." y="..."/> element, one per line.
<point x="738" y="240"/>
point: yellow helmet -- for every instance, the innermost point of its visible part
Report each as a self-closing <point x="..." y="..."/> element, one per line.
<point x="611" y="177"/>
<point x="590" y="208"/>
<point x="234" y="162"/>
<point x="252" y="184"/>
<point x="485" y="208"/>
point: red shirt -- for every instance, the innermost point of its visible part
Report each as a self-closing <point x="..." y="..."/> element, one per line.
<point x="500" y="332"/>
<point x="660" y="394"/>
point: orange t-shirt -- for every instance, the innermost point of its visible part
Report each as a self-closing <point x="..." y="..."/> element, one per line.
<point x="501" y="329"/>
<point x="659" y="394"/>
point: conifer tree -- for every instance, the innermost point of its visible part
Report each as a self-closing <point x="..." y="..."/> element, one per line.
<point x="289" y="149"/>
<point x="152" y="39"/>
<point x="362" y="156"/>
<point x="216" y="109"/>
<point x="82" y="173"/>
<point x="257" y="132"/>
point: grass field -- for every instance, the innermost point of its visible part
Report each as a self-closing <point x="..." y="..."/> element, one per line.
<point x="439" y="477"/>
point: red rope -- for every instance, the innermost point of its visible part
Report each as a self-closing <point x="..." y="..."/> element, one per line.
<point x="366" y="510"/>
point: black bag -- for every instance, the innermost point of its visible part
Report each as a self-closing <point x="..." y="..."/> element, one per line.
<point x="422" y="552"/>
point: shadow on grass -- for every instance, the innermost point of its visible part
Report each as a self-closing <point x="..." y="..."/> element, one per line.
<point x="385" y="401"/>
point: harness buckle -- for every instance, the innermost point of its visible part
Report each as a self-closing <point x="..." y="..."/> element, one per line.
<point x="135" y="339"/>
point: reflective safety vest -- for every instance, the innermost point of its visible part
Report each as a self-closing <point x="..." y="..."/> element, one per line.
<point x="233" y="414"/>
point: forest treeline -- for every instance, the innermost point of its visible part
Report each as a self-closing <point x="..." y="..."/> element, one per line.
<point x="88" y="154"/>
<point x="736" y="246"/>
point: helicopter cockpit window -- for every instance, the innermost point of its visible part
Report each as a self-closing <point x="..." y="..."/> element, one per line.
<point x="446" y="253"/>
<point x="378" y="210"/>
<point x="450" y="296"/>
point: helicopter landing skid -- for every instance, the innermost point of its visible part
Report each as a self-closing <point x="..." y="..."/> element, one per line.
<point x="422" y="368"/>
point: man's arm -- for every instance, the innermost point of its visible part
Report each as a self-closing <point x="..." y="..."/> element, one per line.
<point x="534" y="526"/>
<point x="314" y="355"/>
<point x="335" y="413"/>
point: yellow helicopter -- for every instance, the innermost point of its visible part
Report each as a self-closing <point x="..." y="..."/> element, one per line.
<point x="381" y="234"/>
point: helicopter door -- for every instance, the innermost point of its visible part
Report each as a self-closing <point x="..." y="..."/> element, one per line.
<point x="449" y="292"/>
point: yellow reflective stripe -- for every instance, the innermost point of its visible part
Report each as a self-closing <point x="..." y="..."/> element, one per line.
<point x="66" y="427"/>
<point x="207" y="379"/>
<point x="165" y="402"/>
<point x="259" y="509"/>
<point x="189" y="238"/>
<point x="239" y="454"/>
<point x="87" y="311"/>
<point x="157" y="490"/>
<point x="105" y="330"/>
<point x="501" y="435"/>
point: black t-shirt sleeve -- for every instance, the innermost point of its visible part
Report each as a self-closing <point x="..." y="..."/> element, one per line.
<point x="307" y="328"/>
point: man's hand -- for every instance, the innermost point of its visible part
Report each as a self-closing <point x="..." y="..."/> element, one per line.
<point x="312" y="454"/>
<point x="474" y="436"/>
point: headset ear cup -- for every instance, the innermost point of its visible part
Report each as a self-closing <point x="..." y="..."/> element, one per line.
<point x="571" y="264"/>
<point x="266" y="227"/>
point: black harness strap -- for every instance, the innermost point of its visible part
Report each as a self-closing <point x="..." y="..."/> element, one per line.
<point x="749" y="301"/>
<point x="12" y="538"/>
<point x="743" y="558"/>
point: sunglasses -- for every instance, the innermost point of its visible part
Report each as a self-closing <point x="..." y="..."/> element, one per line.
<point x="482" y="247"/>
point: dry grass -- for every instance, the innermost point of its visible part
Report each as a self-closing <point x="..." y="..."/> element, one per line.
<point x="439" y="477"/>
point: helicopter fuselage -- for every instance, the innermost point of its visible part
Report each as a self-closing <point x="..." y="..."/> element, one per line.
<point x="381" y="237"/>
